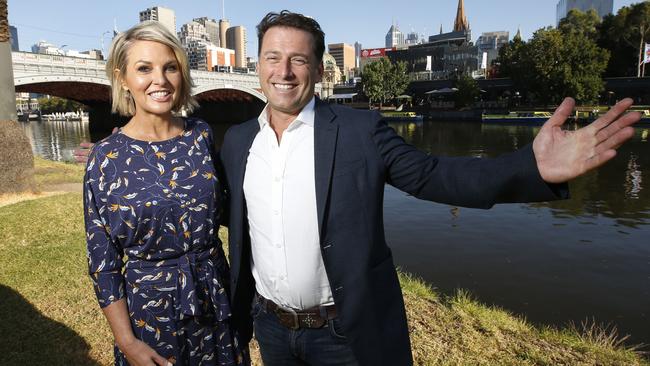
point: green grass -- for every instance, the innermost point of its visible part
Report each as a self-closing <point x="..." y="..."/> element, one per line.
<point x="49" y="173"/>
<point x="50" y="315"/>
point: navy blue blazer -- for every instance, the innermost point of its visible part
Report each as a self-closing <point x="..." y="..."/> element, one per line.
<point x="355" y="154"/>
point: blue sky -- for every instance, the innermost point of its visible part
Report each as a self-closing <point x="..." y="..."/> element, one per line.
<point x="79" y="24"/>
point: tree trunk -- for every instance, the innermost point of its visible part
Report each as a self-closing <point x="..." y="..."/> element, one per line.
<point x="16" y="158"/>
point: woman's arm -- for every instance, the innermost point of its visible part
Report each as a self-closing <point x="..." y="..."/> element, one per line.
<point x="136" y="352"/>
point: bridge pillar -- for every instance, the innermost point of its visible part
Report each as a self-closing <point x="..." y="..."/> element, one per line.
<point x="16" y="159"/>
<point x="229" y="112"/>
<point x="102" y="121"/>
<point x="7" y="89"/>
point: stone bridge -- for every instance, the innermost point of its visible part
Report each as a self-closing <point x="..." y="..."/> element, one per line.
<point x="223" y="97"/>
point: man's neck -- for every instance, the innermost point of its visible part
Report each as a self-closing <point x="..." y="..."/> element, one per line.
<point x="279" y="121"/>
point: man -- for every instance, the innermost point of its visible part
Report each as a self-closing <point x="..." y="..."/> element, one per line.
<point x="306" y="184"/>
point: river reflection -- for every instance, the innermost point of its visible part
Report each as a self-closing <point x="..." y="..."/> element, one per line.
<point x="555" y="262"/>
<point x="56" y="140"/>
<point x="586" y="257"/>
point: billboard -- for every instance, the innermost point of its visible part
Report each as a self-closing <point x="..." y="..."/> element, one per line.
<point x="374" y="52"/>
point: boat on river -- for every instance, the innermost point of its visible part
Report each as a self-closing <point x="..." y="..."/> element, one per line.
<point x="523" y="117"/>
<point x="401" y="116"/>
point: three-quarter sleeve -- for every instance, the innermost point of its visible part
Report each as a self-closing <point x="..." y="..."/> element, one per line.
<point x="104" y="255"/>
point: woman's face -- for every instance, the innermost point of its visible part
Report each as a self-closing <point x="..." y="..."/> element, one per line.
<point x="153" y="77"/>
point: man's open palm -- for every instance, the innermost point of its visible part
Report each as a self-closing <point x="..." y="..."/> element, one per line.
<point x="563" y="155"/>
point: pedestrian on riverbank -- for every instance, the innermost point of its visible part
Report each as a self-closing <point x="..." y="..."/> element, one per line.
<point x="311" y="269"/>
<point x="152" y="206"/>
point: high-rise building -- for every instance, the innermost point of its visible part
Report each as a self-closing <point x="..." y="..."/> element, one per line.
<point x="192" y="31"/>
<point x="602" y="7"/>
<point x="203" y="55"/>
<point x="412" y="38"/>
<point x="224" y="24"/>
<point x="236" y="40"/>
<point x="490" y="43"/>
<point x="344" y="55"/>
<point x="163" y="15"/>
<point x="13" y="37"/>
<point x="212" y="29"/>
<point x="357" y="55"/>
<point x="394" y="38"/>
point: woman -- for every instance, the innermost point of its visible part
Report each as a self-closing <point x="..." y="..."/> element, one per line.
<point x="151" y="210"/>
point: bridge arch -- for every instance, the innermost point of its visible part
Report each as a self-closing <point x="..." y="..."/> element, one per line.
<point x="228" y="104"/>
<point x="89" y="90"/>
<point x="202" y="89"/>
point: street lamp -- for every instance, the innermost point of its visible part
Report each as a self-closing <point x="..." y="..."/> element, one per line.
<point x="61" y="49"/>
<point x="104" y="51"/>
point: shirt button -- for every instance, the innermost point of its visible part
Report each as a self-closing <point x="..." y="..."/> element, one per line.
<point x="276" y="212"/>
<point x="278" y="245"/>
<point x="277" y="179"/>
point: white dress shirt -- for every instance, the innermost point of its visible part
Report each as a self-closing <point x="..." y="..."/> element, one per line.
<point x="280" y="192"/>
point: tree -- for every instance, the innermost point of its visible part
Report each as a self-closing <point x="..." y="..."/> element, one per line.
<point x="383" y="80"/>
<point x="16" y="159"/>
<point x="624" y="34"/>
<point x="468" y="91"/>
<point x="56" y="104"/>
<point x="579" y="23"/>
<point x="559" y="62"/>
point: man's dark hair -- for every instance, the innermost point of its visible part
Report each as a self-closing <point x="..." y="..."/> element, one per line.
<point x="293" y="20"/>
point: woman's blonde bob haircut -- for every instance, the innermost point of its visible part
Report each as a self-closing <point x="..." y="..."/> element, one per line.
<point x="122" y="102"/>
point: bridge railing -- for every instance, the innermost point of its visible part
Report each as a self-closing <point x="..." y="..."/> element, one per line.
<point x="228" y="79"/>
<point x="29" y="63"/>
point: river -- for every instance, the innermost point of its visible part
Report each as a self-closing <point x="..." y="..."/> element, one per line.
<point x="586" y="258"/>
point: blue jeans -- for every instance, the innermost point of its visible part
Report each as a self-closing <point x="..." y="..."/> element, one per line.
<point x="281" y="346"/>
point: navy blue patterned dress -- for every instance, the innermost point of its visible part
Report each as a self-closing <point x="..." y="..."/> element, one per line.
<point x="152" y="212"/>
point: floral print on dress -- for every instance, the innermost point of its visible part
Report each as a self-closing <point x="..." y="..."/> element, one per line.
<point x="152" y="211"/>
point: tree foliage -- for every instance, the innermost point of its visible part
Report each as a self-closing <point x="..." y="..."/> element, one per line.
<point x="560" y="62"/>
<point x="468" y="91"/>
<point x="622" y="34"/>
<point x="56" y="104"/>
<point x="383" y="80"/>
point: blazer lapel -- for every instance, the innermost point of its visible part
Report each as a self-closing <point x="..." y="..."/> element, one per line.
<point x="237" y="191"/>
<point x="325" y="135"/>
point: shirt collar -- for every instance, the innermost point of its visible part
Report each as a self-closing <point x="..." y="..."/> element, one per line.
<point x="306" y="115"/>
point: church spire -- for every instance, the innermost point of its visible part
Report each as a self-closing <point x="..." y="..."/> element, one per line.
<point x="518" y="35"/>
<point x="461" y="24"/>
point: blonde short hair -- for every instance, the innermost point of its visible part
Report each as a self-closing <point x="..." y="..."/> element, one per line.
<point x="122" y="101"/>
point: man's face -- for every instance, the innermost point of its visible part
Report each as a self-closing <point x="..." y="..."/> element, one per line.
<point x="288" y="69"/>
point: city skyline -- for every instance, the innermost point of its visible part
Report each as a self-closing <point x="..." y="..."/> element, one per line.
<point x="43" y="20"/>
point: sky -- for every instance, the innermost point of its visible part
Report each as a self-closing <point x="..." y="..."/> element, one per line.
<point x="80" y="24"/>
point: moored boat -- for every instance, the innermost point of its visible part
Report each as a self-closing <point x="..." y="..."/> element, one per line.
<point x="400" y="116"/>
<point x="524" y="117"/>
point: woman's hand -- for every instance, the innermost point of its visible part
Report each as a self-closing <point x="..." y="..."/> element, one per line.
<point x="139" y="353"/>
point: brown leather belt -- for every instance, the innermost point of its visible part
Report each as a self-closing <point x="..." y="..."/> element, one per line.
<point x="315" y="317"/>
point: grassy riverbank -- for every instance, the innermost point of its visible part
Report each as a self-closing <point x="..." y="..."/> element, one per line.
<point x="49" y="314"/>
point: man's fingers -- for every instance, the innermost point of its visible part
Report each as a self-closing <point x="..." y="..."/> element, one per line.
<point x="599" y="159"/>
<point x="615" y="140"/>
<point x="611" y="115"/>
<point x="625" y="120"/>
<point x="562" y="112"/>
